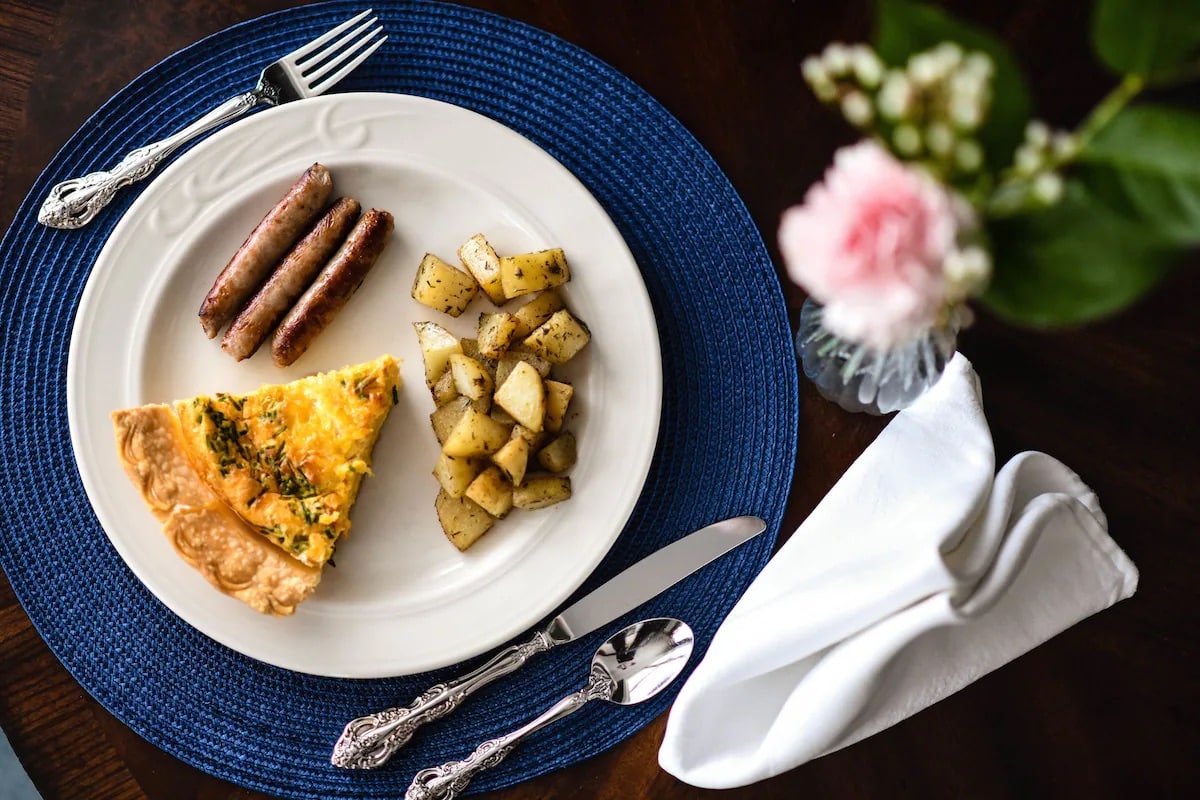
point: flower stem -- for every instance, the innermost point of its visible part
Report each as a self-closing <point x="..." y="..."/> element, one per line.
<point x="1109" y="107"/>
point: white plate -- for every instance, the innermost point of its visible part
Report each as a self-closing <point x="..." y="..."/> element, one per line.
<point x="401" y="598"/>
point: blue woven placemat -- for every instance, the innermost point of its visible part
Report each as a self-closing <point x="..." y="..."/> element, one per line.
<point x="726" y="445"/>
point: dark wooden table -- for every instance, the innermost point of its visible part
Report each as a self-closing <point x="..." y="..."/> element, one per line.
<point x="1109" y="709"/>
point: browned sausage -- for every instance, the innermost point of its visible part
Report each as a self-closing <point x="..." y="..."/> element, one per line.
<point x="341" y="278"/>
<point x="289" y="280"/>
<point x="263" y="248"/>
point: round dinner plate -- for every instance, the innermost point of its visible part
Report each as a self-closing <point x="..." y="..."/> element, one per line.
<point x="401" y="599"/>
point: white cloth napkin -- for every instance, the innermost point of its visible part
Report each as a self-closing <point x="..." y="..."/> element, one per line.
<point x="918" y="573"/>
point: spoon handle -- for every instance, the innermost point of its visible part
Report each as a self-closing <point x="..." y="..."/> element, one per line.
<point x="369" y="741"/>
<point x="448" y="780"/>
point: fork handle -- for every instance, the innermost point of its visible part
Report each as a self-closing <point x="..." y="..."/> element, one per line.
<point x="75" y="202"/>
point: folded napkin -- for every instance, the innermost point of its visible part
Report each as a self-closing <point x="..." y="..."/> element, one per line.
<point x="918" y="573"/>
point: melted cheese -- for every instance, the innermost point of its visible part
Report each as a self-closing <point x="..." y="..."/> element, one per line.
<point x="289" y="458"/>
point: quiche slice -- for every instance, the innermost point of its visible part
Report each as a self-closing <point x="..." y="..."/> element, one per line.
<point x="255" y="490"/>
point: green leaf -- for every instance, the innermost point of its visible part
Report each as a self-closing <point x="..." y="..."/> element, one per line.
<point x="1072" y="263"/>
<point x="1145" y="165"/>
<point x="904" y="28"/>
<point x="1146" y="37"/>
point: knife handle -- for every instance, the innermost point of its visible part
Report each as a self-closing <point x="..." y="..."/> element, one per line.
<point x="369" y="741"/>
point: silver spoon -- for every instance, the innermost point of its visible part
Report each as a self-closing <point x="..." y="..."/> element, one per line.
<point x="634" y="665"/>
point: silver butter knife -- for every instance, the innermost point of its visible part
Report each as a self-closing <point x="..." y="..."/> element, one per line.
<point x="306" y="72"/>
<point x="368" y="742"/>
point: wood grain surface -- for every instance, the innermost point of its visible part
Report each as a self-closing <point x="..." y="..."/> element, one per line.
<point x="1108" y="709"/>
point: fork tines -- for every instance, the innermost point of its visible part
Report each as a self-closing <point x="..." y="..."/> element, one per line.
<point x="321" y="65"/>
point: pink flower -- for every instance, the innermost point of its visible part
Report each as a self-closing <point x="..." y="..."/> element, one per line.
<point x="870" y="244"/>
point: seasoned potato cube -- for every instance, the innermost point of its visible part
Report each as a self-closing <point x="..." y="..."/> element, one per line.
<point x="443" y="391"/>
<point x="456" y="474"/>
<point x="480" y="260"/>
<point x="441" y="286"/>
<point x="534" y="438"/>
<point x="540" y="491"/>
<point x="532" y="272"/>
<point x="503" y="417"/>
<point x="559" y="455"/>
<point x="523" y="395"/>
<point x="463" y="521"/>
<point x="536" y="311"/>
<point x="447" y="416"/>
<point x="475" y="434"/>
<point x="470" y="347"/>
<point x="496" y="332"/>
<point x="559" y="338"/>
<point x="506" y="362"/>
<point x="437" y="344"/>
<point x="513" y="459"/>
<point x="492" y="492"/>
<point x="470" y="378"/>
<point x="558" y="397"/>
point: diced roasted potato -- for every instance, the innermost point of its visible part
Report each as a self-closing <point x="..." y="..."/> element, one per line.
<point x="559" y="338"/>
<point x="475" y="434"/>
<point x="447" y="416"/>
<point x="506" y="362"/>
<point x="502" y="416"/>
<point x="559" y="455"/>
<point x="523" y="395"/>
<point x="534" y="438"/>
<point x="437" y="344"/>
<point x="492" y="492"/>
<point x="513" y="459"/>
<point x="481" y="261"/>
<point x="533" y="272"/>
<point x="558" y="398"/>
<point x="463" y="521"/>
<point x="456" y="474"/>
<point x="470" y="347"/>
<point x="443" y="391"/>
<point x="536" y="311"/>
<point x="539" y="491"/>
<point x="496" y="332"/>
<point x="470" y="378"/>
<point x="443" y="287"/>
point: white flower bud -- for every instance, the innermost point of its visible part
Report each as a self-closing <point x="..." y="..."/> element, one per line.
<point x="907" y="140"/>
<point x="825" y="90"/>
<point x="837" y="59"/>
<point x="1048" y="188"/>
<point x="924" y="69"/>
<point x="967" y="270"/>
<point x="1037" y="134"/>
<point x="979" y="64"/>
<point x="968" y="155"/>
<point x="1027" y="160"/>
<point x="856" y="108"/>
<point x="1065" y="146"/>
<point x="867" y="66"/>
<point x="813" y="70"/>
<point x="895" y="96"/>
<point x="966" y="112"/>
<point x="940" y="138"/>
<point x="949" y="55"/>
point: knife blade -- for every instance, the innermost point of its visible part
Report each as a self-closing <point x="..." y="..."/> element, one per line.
<point x="369" y="741"/>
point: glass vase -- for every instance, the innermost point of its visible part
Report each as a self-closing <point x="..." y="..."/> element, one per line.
<point x="862" y="379"/>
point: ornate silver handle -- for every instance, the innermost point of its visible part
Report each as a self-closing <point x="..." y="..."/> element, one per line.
<point x="367" y="742"/>
<point x="450" y="779"/>
<point x="75" y="202"/>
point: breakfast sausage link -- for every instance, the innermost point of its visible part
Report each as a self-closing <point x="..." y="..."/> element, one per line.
<point x="263" y="248"/>
<point x="337" y="282"/>
<point x="289" y="280"/>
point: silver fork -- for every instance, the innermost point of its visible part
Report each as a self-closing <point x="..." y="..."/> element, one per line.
<point x="307" y="72"/>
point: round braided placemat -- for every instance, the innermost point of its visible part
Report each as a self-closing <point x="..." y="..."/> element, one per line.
<point x="726" y="445"/>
